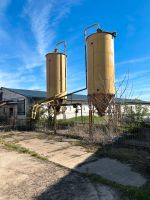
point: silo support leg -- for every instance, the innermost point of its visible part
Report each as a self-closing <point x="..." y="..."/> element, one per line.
<point x="54" y="120"/>
<point x="90" y="122"/>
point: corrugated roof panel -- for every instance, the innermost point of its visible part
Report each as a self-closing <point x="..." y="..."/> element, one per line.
<point x="29" y="93"/>
<point x="79" y="97"/>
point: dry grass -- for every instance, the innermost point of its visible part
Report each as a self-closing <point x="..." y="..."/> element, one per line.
<point x="98" y="135"/>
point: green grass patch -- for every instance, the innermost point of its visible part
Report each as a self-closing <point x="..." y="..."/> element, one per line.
<point x="138" y="158"/>
<point x="76" y="143"/>
<point x="84" y="119"/>
<point x="19" y="149"/>
<point x="134" y="193"/>
<point x="122" y="154"/>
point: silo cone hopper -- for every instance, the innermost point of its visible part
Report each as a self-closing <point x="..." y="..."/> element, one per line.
<point x="99" y="58"/>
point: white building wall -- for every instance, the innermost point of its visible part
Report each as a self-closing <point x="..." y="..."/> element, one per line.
<point x="133" y="107"/>
<point x="71" y="112"/>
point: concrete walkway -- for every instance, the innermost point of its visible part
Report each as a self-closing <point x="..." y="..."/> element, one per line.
<point x="67" y="155"/>
<point x="23" y="177"/>
<point x="62" y="153"/>
<point x="115" y="171"/>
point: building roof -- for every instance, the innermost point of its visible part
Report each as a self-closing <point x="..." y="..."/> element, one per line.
<point x="29" y="93"/>
<point x="42" y="94"/>
<point x="132" y="101"/>
<point x="75" y="97"/>
<point x="78" y="97"/>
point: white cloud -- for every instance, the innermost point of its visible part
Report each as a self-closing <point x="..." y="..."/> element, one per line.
<point x="8" y="79"/>
<point x="145" y="97"/>
<point x="19" y="79"/>
<point x="143" y="90"/>
<point x="39" y="19"/>
<point x="3" y="35"/>
<point x="3" y="5"/>
<point x="134" y="60"/>
<point x="130" y="76"/>
<point x="75" y="80"/>
<point x="44" y="16"/>
<point x="75" y="76"/>
<point x="134" y="85"/>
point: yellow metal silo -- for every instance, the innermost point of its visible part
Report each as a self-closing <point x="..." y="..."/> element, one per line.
<point x="56" y="74"/>
<point x="100" y="68"/>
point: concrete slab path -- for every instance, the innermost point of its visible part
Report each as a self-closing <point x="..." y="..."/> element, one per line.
<point x="23" y="177"/>
<point x="62" y="153"/>
<point x="72" y="157"/>
<point x="115" y="171"/>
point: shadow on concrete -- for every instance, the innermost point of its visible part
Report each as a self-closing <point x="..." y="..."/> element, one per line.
<point x="76" y="186"/>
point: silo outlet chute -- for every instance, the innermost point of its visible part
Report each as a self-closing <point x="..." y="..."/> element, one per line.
<point x="56" y="73"/>
<point x="99" y="51"/>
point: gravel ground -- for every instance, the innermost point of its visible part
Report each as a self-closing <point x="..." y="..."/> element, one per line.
<point x="23" y="177"/>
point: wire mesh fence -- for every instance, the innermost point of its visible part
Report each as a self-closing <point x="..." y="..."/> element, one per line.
<point x="13" y="124"/>
<point x="98" y="133"/>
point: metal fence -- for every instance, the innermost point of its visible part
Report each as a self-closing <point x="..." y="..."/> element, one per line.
<point x="98" y="133"/>
<point x="21" y="124"/>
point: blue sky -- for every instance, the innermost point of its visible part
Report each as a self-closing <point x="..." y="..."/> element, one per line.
<point x="29" y="29"/>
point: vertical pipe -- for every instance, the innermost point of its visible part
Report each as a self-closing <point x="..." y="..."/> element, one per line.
<point x="65" y="45"/>
<point x="81" y="115"/>
<point x="85" y="64"/>
<point x="93" y="114"/>
<point x="54" y="118"/>
<point x="76" y="114"/>
<point x="90" y="119"/>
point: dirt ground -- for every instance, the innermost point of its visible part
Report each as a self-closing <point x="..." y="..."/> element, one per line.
<point x="43" y="167"/>
<point x="24" y="177"/>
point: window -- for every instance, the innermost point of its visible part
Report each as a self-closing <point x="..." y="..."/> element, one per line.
<point x="21" y="107"/>
<point x="1" y="95"/>
<point x="11" y="111"/>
